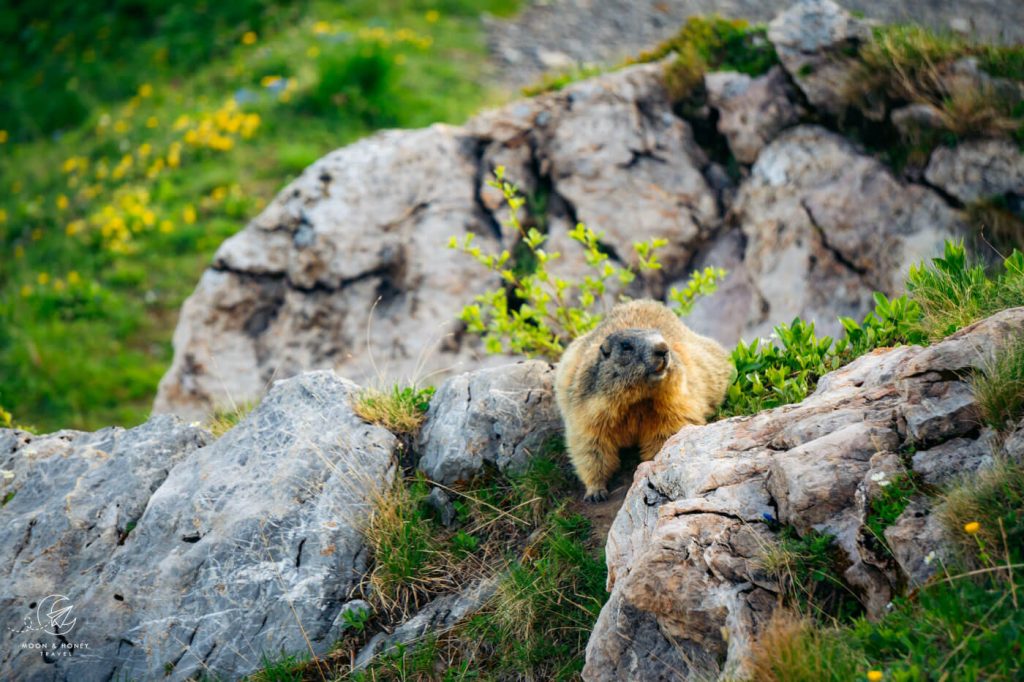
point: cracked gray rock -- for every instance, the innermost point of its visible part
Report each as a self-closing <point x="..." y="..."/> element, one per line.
<point x="183" y="556"/>
<point x="752" y="111"/>
<point x="819" y="228"/>
<point x="978" y="169"/>
<point x="499" y="417"/>
<point x="688" y="591"/>
<point x="813" y="39"/>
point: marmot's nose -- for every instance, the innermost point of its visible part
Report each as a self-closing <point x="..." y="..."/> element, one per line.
<point x="659" y="355"/>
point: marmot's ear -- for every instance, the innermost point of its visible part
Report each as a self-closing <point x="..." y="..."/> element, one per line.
<point x="606" y="349"/>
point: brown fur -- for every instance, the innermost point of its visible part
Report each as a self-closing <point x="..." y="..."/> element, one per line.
<point x="604" y="413"/>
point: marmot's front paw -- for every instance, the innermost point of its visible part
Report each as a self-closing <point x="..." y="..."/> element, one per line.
<point x="596" y="496"/>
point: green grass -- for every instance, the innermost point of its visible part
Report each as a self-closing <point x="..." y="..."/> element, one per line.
<point x="518" y="530"/>
<point x="888" y="504"/>
<point x="809" y="570"/>
<point x="999" y="387"/>
<point x="965" y="624"/>
<point x="185" y="123"/>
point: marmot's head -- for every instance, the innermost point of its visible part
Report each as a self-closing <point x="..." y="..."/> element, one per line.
<point x="633" y="360"/>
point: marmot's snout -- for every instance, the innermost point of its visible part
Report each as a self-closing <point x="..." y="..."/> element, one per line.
<point x="637" y="354"/>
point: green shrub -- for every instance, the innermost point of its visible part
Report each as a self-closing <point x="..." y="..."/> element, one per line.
<point x="769" y="375"/>
<point x="358" y="80"/>
<point x="538" y="312"/>
<point x="712" y="44"/>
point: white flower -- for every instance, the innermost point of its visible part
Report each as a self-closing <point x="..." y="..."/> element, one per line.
<point x="879" y="477"/>
<point x="7" y="474"/>
<point x="929" y="557"/>
<point x="882" y="484"/>
<point x="195" y="425"/>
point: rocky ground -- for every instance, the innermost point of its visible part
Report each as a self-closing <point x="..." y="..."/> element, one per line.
<point x="182" y="553"/>
<point x="559" y="35"/>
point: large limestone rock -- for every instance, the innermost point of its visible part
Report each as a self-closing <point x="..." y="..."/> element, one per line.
<point x="350" y="259"/>
<point x="823" y="226"/>
<point x="688" y="591"/>
<point x="180" y="557"/>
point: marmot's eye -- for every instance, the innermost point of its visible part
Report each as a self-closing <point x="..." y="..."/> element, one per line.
<point x="626" y="347"/>
<point x="606" y="350"/>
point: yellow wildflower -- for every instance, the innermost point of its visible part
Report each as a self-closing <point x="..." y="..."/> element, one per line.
<point x="74" y="278"/>
<point x="62" y="203"/>
<point x="3" y="137"/>
<point x="189" y="214"/>
<point x="166" y="226"/>
<point x="152" y="122"/>
<point x="37" y="234"/>
<point x="74" y="227"/>
<point x="875" y="676"/>
<point x="432" y="16"/>
<point x="267" y="81"/>
<point x="19" y="251"/>
<point x="43" y="279"/>
<point x="145" y="90"/>
<point x="120" y="127"/>
<point x="26" y="291"/>
<point x="249" y="38"/>
<point x="58" y="285"/>
<point x="3" y="216"/>
<point x="313" y="52"/>
<point x="972" y="527"/>
<point x="321" y="27"/>
<point x="399" y="59"/>
<point x="219" y="193"/>
<point x="181" y="122"/>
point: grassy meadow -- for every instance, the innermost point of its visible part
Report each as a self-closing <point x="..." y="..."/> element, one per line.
<point x="136" y="137"/>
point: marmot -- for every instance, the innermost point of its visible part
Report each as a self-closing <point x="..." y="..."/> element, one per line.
<point x="636" y="379"/>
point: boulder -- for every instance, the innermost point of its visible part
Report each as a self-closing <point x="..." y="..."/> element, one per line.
<point x="977" y="169"/>
<point x="751" y="111"/>
<point x="688" y="591"/>
<point x="498" y="417"/>
<point x="178" y="556"/>
<point x="814" y="40"/>
<point x="823" y="226"/>
<point x="347" y="268"/>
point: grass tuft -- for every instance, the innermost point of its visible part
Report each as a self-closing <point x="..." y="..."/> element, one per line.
<point x="401" y="411"/>
<point x="224" y="419"/>
<point x="999" y="387"/>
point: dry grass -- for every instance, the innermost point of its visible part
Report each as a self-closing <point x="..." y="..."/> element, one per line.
<point x="908" y="64"/>
<point x="791" y="648"/>
<point x="401" y="410"/>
